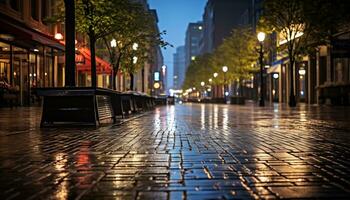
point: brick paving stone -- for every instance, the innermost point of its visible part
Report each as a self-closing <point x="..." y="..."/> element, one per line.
<point x="191" y="151"/>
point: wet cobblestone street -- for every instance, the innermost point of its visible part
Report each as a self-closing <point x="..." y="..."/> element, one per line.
<point x="190" y="151"/>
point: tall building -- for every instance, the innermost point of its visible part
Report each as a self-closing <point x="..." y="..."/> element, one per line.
<point x="194" y="35"/>
<point x="219" y="18"/>
<point x="179" y="67"/>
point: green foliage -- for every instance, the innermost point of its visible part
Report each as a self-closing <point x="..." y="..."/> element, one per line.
<point x="287" y="18"/>
<point x="200" y="69"/>
<point x="237" y="52"/>
<point x="122" y="20"/>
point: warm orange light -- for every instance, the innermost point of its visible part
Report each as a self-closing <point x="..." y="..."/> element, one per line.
<point x="58" y="36"/>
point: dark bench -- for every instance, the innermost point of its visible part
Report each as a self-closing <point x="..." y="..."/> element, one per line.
<point x="89" y="106"/>
<point x="77" y="106"/>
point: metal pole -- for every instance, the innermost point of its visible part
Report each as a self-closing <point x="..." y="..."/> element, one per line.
<point x="70" y="43"/>
<point x="261" y="101"/>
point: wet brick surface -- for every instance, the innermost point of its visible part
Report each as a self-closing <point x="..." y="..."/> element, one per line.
<point x="188" y="151"/>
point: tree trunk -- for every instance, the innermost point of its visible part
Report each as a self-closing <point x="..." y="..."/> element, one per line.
<point x="131" y="81"/>
<point x="241" y="87"/>
<point x="115" y="71"/>
<point x="292" y="100"/>
<point x="114" y="81"/>
<point x="70" y="43"/>
<point x="93" y="60"/>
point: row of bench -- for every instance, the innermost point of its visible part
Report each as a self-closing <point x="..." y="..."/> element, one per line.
<point x="90" y="106"/>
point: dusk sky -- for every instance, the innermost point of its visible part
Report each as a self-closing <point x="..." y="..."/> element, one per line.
<point x="174" y="16"/>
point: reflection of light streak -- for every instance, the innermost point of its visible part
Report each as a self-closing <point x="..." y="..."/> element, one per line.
<point x="83" y="163"/>
<point x="157" y="119"/>
<point x="224" y="118"/>
<point x="170" y="117"/>
<point x="60" y="166"/>
<point x="216" y="115"/>
<point x="202" y="116"/>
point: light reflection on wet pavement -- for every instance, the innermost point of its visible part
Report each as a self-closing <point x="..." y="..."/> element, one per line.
<point x="191" y="151"/>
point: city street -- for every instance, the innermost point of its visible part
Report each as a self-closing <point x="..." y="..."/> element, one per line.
<point x="188" y="151"/>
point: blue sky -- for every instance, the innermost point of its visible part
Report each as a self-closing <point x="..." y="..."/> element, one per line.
<point x="174" y="16"/>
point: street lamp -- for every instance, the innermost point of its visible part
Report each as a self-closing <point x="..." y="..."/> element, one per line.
<point x="215" y="75"/>
<point x="113" y="43"/>
<point x="203" y="84"/>
<point x="225" y="69"/>
<point x="135" y="46"/>
<point x="261" y="38"/>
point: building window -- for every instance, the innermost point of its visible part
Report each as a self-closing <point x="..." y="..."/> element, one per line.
<point x="15" y="5"/>
<point x="34" y="9"/>
<point x="44" y="10"/>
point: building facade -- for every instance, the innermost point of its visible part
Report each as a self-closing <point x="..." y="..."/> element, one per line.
<point x="30" y="56"/>
<point x="193" y="37"/>
<point x="219" y="18"/>
<point x="179" y="67"/>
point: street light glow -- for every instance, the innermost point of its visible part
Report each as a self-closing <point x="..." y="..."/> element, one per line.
<point x="224" y="69"/>
<point x="302" y="71"/>
<point x="58" y="36"/>
<point x="114" y="43"/>
<point x="261" y="36"/>
<point x="215" y="75"/>
<point x="202" y="83"/>
<point x="134" y="59"/>
<point x="135" y="46"/>
<point x="210" y="80"/>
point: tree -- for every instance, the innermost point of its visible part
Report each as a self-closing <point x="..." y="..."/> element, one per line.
<point x="199" y="70"/>
<point x="326" y="18"/>
<point x="98" y="19"/>
<point x="238" y="52"/>
<point x="134" y="38"/>
<point x="302" y="25"/>
<point x="287" y="18"/>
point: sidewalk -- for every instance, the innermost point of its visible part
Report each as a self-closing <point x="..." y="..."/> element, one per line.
<point x="190" y="151"/>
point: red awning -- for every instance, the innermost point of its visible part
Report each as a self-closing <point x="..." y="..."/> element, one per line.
<point x="83" y="60"/>
<point x="25" y="34"/>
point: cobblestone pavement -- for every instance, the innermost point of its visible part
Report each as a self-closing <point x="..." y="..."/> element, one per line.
<point x="191" y="151"/>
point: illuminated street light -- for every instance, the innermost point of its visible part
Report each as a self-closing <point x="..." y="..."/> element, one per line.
<point x="210" y="80"/>
<point x="202" y="83"/>
<point x="58" y="36"/>
<point x="224" y="69"/>
<point x="215" y="75"/>
<point x="261" y="38"/>
<point x="134" y="59"/>
<point x="114" y="43"/>
<point x="135" y="46"/>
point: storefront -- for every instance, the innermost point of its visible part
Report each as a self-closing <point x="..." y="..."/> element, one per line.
<point x="28" y="59"/>
<point x="83" y="64"/>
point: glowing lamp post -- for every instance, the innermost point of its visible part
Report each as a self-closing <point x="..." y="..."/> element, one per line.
<point x="261" y="37"/>
<point x="225" y="69"/>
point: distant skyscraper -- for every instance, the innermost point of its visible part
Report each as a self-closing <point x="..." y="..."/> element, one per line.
<point x="220" y="17"/>
<point x="179" y="67"/>
<point x="193" y="37"/>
